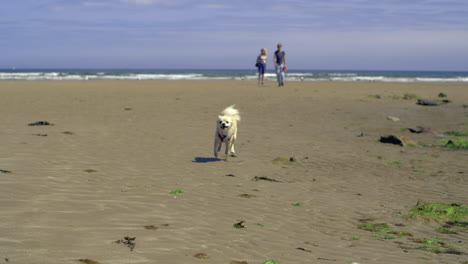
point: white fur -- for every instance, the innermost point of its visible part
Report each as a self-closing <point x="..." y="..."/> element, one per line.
<point x="226" y="131"/>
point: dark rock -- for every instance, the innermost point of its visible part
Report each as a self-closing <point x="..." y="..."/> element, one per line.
<point x="432" y="102"/>
<point x="397" y="140"/>
<point x="391" y="140"/>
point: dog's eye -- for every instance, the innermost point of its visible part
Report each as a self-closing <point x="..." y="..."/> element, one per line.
<point x="220" y="122"/>
<point x="227" y="122"/>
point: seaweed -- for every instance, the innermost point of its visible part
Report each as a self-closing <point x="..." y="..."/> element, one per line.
<point x="445" y="230"/>
<point x="88" y="261"/>
<point x="400" y="233"/>
<point x="127" y="241"/>
<point x="151" y="227"/>
<point x="201" y="255"/>
<point x="303" y="249"/>
<point x="449" y="227"/>
<point x="245" y="195"/>
<point x="456" y="143"/>
<point x="459" y="224"/>
<point x="264" y="178"/>
<point x="40" y="123"/>
<point x="379" y="227"/>
<point x="177" y="191"/>
<point x="408" y="96"/>
<point x="238" y="262"/>
<point x="269" y="261"/>
<point x="240" y="224"/>
<point x="437" y="250"/>
<point x="457" y="133"/>
<point x="452" y="212"/>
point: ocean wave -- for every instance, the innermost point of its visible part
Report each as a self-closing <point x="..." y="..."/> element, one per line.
<point x="239" y="75"/>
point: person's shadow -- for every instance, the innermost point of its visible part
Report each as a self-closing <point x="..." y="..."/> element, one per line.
<point x="205" y="160"/>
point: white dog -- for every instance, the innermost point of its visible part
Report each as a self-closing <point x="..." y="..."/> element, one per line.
<point x="226" y="131"/>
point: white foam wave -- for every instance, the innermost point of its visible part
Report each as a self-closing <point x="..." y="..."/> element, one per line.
<point x="290" y="76"/>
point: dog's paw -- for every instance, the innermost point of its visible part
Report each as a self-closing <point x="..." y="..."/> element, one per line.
<point x="233" y="155"/>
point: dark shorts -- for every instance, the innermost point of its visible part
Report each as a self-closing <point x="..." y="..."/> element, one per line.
<point x="261" y="68"/>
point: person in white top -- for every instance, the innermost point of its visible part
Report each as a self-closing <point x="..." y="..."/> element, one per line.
<point x="262" y="65"/>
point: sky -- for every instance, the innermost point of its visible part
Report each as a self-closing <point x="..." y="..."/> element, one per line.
<point x="221" y="34"/>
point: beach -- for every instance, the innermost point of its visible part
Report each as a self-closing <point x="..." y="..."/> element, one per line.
<point x="134" y="159"/>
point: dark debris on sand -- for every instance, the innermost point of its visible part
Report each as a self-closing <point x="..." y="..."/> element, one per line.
<point x="264" y="178"/>
<point x="40" y="123"/>
<point x="127" y="241"/>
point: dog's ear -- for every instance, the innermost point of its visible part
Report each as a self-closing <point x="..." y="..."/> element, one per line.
<point x="220" y="118"/>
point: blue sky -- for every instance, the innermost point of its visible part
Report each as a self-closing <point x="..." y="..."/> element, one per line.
<point x="209" y="34"/>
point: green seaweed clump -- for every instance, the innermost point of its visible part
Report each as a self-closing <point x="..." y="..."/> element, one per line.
<point x="457" y="134"/>
<point x="379" y="227"/>
<point x="297" y="204"/>
<point x="455" y="143"/>
<point x="269" y="261"/>
<point x="177" y="191"/>
<point x="445" y="230"/>
<point x="452" y="227"/>
<point x="453" y="212"/>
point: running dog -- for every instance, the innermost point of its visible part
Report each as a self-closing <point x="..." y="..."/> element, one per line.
<point x="226" y="131"/>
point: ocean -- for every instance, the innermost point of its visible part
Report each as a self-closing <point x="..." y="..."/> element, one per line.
<point x="291" y="75"/>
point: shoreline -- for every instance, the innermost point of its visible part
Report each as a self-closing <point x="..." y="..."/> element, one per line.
<point x="246" y="74"/>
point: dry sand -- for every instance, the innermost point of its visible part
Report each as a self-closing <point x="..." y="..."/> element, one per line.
<point x="106" y="168"/>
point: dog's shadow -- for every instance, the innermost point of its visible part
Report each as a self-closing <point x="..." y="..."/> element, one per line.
<point x="205" y="160"/>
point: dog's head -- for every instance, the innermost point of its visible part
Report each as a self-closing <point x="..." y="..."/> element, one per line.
<point x="224" y="122"/>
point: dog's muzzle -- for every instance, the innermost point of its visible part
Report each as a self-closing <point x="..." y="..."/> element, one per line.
<point x="224" y="126"/>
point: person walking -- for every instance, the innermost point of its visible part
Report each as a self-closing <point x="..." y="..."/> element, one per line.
<point x="280" y="62"/>
<point x="262" y="65"/>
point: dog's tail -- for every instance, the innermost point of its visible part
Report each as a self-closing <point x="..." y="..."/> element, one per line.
<point x="231" y="111"/>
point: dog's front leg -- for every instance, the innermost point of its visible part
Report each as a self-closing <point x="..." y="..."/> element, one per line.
<point x="217" y="145"/>
<point x="228" y="148"/>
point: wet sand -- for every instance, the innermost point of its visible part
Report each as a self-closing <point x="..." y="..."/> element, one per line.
<point x="105" y="169"/>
